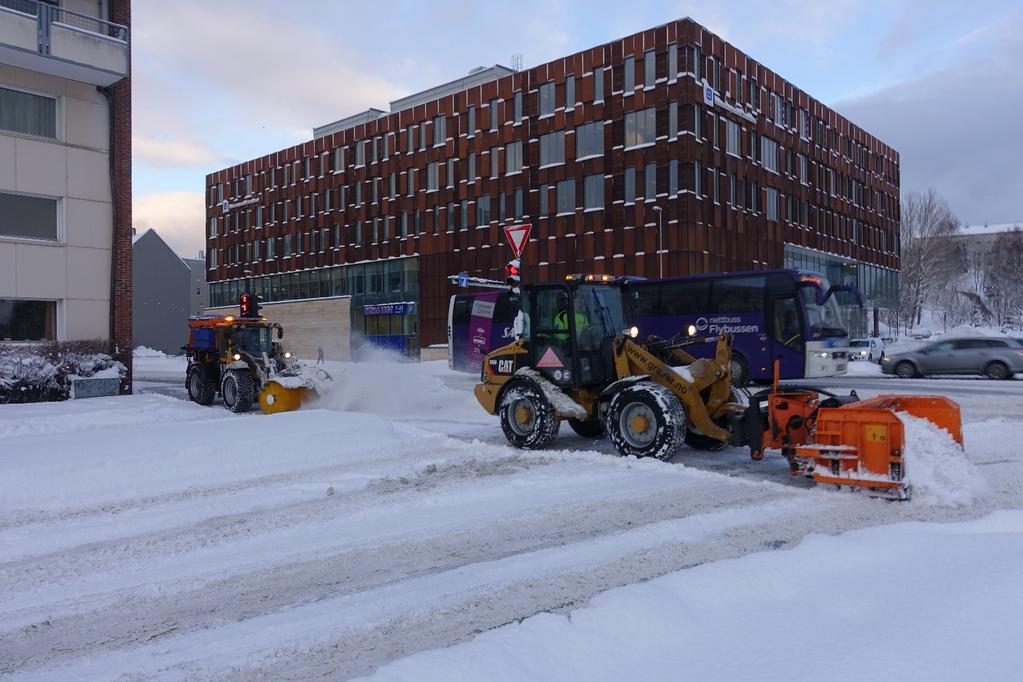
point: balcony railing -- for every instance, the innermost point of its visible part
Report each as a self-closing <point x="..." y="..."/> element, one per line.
<point x="48" y="14"/>
<point x="82" y="47"/>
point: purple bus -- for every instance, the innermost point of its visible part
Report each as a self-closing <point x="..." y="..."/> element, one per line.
<point x="477" y="324"/>
<point x="788" y="315"/>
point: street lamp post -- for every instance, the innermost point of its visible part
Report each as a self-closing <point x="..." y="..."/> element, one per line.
<point x="660" y="242"/>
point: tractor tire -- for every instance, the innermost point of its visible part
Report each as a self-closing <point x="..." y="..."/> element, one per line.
<point x="646" y="420"/>
<point x="905" y="370"/>
<point x="591" y="428"/>
<point x="527" y="417"/>
<point x="740" y="371"/>
<point x="997" y="370"/>
<point x="238" y="391"/>
<point x="200" y="389"/>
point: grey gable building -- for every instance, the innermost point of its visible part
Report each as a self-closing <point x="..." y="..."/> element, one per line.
<point x="167" y="290"/>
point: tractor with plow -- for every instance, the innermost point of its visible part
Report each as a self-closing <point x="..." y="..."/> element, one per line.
<point x="575" y="361"/>
<point x="242" y="358"/>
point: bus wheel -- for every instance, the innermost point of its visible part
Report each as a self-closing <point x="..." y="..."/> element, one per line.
<point x="740" y="370"/>
<point x="527" y="417"/>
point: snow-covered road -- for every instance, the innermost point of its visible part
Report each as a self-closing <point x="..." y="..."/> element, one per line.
<point x="152" y="537"/>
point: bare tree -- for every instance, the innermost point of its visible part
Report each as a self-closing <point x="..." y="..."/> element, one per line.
<point x="930" y="257"/>
<point x="1005" y="266"/>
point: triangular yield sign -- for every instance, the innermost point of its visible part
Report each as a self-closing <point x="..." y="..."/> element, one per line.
<point x="517" y="235"/>
<point x="550" y="359"/>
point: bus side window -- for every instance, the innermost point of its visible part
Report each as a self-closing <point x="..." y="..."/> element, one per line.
<point x="685" y="298"/>
<point x="786" y="326"/>
<point x="462" y="310"/>
<point x="739" y="295"/>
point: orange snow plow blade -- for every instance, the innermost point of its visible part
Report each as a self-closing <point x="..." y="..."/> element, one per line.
<point x="861" y="444"/>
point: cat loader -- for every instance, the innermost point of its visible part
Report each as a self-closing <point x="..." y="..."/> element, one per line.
<point x="575" y="361"/>
<point x="241" y="358"/>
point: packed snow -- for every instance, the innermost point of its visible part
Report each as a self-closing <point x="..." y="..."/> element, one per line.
<point x="147" y="537"/>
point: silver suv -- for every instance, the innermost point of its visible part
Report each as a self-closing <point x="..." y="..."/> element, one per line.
<point x="997" y="358"/>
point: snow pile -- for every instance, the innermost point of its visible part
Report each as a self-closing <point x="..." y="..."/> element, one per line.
<point x="936" y="467"/>
<point x="388" y="385"/>
<point x="931" y="601"/>
<point x="145" y="352"/>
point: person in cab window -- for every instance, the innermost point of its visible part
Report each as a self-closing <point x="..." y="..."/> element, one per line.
<point x="582" y="323"/>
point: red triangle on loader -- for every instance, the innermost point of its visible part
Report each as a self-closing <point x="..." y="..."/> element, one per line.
<point x="550" y="359"/>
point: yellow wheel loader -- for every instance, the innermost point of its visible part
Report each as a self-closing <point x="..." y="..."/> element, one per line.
<point x="575" y="362"/>
<point x="243" y="360"/>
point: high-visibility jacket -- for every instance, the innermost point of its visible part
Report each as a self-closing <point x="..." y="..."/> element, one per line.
<point x="561" y="322"/>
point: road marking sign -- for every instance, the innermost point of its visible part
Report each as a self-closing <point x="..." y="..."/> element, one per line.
<point x="517" y="235"/>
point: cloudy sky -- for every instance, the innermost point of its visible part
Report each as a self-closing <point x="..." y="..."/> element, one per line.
<point x="220" y="82"/>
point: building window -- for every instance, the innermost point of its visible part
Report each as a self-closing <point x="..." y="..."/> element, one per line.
<point x="629" y="74"/>
<point x="546" y="94"/>
<point x="769" y="153"/>
<point x="517" y="106"/>
<point x="482" y="211"/>
<point x="598" y="84"/>
<point x="698" y="178"/>
<point x="23" y="112"/>
<point x="465" y="214"/>
<point x="802" y="169"/>
<point x="649" y="69"/>
<point x="715" y="183"/>
<point x="439" y="130"/>
<point x="411" y="181"/>
<point x="772" y="203"/>
<point x="433" y="176"/>
<point x="513" y="158"/>
<point x="566" y="197"/>
<point x="451" y="217"/>
<point x="673" y="177"/>
<point x="569" y="92"/>
<point x="650" y="178"/>
<point x="672" y="120"/>
<point x="544" y="190"/>
<point x="22" y="320"/>
<point x="640" y="127"/>
<point x="552" y="148"/>
<point x="732" y="132"/>
<point x="404" y="223"/>
<point x="472" y="166"/>
<point x="731" y="189"/>
<point x="410" y="139"/>
<point x="672" y="62"/>
<point x="392" y="185"/>
<point x="422" y="136"/>
<point x="493" y="114"/>
<point x="593" y="192"/>
<point x="494" y="161"/>
<point x="271" y="242"/>
<point x="360" y="153"/>
<point x="212" y="232"/>
<point x="471" y="113"/>
<point x="519" y="211"/>
<point x="28" y="217"/>
<point x="375" y="142"/>
<point x="804" y="124"/>
<point x="630" y="185"/>
<point x="450" y="173"/>
<point x="589" y="140"/>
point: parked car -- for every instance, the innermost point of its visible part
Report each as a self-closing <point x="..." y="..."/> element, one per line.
<point x="871" y="349"/>
<point x="921" y="334"/>
<point x="997" y="358"/>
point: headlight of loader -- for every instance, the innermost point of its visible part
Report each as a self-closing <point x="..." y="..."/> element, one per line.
<point x="237" y="356"/>
<point x="287" y="355"/>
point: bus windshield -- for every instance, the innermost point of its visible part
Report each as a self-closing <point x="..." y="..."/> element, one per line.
<point x="824" y="320"/>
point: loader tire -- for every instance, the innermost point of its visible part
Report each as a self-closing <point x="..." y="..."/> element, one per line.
<point x="646" y="420"/>
<point x="238" y="391"/>
<point x="590" y="428"/>
<point x="527" y="417"/>
<point x="200" y="389"/>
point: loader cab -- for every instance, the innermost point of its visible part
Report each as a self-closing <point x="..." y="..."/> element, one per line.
<point x="570" y="329"/>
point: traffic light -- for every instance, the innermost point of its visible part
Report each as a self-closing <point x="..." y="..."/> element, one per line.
<point x="249" y="305"/>
<point x="512" y="272"/>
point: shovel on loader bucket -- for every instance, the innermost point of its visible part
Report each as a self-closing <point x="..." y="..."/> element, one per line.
<point x="861" y="444"/>
<point x="288" y="393"/>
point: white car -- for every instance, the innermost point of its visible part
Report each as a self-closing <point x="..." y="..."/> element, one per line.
<point x="871" y="349"/>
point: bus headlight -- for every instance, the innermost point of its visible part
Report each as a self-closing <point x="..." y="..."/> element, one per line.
<point x="287" y="355"/>
<point x="692" y="330"/>
<point x="825" y="356"/>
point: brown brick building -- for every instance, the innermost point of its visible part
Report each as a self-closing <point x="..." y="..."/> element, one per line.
<point x="747" y="170"/>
